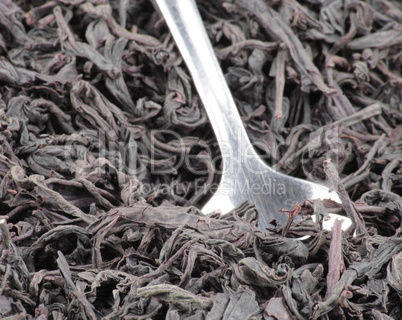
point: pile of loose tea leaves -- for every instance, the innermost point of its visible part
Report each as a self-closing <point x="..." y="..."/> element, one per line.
<point x="106" y="156"/>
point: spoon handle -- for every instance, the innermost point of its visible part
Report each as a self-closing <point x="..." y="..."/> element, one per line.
<point x="187" y="28"/>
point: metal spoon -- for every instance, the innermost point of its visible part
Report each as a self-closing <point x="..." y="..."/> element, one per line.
<point x="245" y="176"/>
